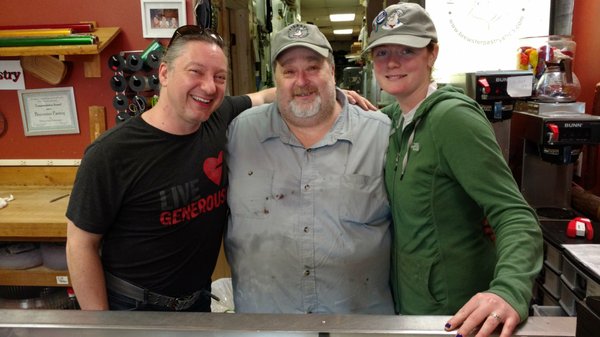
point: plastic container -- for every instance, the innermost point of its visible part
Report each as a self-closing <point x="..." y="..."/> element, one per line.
<point x="553" y="257"/>
<point x="223" y="290"/>
<point x="535" y="52"/>
<point x="550" y="58"/>
<point x="551" y="281"/>
<point x="547" y="311"/>
<point x="567" y="299"/>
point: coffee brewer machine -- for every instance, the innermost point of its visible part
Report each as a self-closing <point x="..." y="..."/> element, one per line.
<point x="549" y="131"/>
<point x="496" y="92"/>
<point x="547" y="139"/>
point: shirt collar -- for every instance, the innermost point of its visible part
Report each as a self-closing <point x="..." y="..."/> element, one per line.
<point x="277" y="128"/>
<point x="409" y="116"/>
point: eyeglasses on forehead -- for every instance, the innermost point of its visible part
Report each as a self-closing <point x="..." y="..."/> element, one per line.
<point x="196" y="30"/>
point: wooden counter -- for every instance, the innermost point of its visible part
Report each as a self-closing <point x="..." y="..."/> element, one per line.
<point x="32" y="215"/>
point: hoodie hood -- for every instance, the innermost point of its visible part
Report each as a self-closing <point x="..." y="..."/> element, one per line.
<point x="445" y="93"/>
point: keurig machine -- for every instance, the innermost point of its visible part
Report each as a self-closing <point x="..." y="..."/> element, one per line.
<point x="496" y="92"/>
<point x="550" y="137"/>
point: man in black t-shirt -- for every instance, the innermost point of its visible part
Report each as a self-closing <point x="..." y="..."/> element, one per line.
<point x="150" y="193"/>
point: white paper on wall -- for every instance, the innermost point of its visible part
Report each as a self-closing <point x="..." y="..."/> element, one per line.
<point x="484" y="35"/>
<point x="11" y="75"/>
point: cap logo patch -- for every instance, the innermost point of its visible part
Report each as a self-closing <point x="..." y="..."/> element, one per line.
<point x="297" y="32"/>
<point x="393" y="20"/>
<point x="379" y="19"/>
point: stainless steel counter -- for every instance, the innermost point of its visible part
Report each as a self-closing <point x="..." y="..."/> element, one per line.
<point x="67" y="323"/>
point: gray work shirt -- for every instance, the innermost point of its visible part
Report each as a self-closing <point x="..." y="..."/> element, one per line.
<point x="309" y="230"/>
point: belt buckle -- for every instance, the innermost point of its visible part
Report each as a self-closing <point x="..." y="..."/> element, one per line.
<point x="182" y="303"/>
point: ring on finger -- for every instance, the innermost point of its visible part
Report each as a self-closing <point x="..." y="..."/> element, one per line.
<point x="495" y="316"/>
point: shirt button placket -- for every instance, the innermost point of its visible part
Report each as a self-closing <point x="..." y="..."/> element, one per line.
<point x="307" y="222"/>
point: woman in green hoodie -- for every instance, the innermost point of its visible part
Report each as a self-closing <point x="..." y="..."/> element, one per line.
<point x="445" y="177"/>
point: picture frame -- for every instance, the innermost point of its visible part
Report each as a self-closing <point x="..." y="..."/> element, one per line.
<point x="49" y="111"/>
<point x="160" y="18"/>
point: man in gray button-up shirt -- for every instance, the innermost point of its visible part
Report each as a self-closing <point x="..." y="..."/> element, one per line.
<point x="310" y="221"/>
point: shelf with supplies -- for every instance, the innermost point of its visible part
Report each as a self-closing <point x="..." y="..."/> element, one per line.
<point x="88" y="54"/>
<point x="37" y="214"/>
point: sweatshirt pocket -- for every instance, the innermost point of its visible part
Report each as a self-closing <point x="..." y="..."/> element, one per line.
<point x="422" y="291"/>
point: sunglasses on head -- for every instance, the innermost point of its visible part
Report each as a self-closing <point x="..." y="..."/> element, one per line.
<point x="196" y="30"/>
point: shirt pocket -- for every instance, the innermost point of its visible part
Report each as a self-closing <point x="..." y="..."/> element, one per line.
<point x="251" y="194"/>
<point x="363" y="199"/>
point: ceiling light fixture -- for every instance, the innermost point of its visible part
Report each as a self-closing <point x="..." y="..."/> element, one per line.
<point x="341" y="17"/>
<point x="342" y="31"/>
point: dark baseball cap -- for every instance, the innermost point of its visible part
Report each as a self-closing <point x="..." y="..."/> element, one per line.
<point x="300" y="35"/>
<point x="404" y="23"/>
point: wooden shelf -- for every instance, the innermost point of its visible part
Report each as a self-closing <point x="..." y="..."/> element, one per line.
<point x="38" y="276"/>
<point x="105" y="36"/>
<point x="32" y="217"/>
<point x="88" y="54"/>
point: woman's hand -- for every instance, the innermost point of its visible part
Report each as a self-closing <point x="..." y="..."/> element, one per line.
<point x="484" y="311"/>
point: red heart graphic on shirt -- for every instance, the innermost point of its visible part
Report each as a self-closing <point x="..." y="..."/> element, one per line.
<point x="213" y="168"/>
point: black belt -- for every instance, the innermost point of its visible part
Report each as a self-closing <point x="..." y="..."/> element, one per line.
<point x="140" y="294"/>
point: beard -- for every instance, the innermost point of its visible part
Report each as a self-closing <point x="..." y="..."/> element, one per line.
<point x="305" y="110"/>
<point x="322" y="105"/>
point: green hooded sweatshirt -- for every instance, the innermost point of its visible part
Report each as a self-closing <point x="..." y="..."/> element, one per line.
<point x="453" y="178"/>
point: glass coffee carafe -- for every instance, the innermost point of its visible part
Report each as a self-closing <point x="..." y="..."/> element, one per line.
<point x="550" y="58"/>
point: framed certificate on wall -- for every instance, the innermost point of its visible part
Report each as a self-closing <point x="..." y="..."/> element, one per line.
<point x="48" y="111"/>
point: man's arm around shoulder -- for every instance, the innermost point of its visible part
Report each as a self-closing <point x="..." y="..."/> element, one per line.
<point x="263" y="97"/>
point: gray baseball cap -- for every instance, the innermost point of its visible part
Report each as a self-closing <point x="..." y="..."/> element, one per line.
<point x="404" y="23"/>
<point x="300" y="35"/>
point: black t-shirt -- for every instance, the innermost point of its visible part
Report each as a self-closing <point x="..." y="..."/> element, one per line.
<point x="159" y="200"/>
